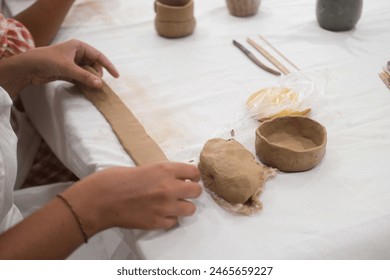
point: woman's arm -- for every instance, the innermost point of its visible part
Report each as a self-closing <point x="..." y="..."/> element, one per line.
<point x="50" y="233"/>
<point x="44" y="18"/>
<point x="149" y="197"/>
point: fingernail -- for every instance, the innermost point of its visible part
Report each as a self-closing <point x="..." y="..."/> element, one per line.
<point x="97" y="82"/>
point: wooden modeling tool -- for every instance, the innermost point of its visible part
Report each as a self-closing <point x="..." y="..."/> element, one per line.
<point x="254" y="59"/>
<point x="268" y="56"/>
<point x="277" y="51"/>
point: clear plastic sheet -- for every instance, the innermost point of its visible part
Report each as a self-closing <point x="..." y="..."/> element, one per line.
<point x="296" y="94"/>
<point x="305" y="91"/>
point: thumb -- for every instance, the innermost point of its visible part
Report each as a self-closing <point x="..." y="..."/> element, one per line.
<point x="81" y="75"/>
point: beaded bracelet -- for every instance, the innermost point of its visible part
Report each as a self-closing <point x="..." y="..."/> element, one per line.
<point x="78" y="220"/>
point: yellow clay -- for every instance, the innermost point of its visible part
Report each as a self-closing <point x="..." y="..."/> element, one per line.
<point x="273" y="98"/>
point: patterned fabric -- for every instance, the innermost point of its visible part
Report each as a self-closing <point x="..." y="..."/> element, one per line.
<point x="46" y="168"/>
<point x="14" y="37"/>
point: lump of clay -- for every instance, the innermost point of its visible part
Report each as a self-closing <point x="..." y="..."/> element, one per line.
<point x="229" y="170"/>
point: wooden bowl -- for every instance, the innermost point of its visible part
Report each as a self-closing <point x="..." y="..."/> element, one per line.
<point x="243" y="8"/>
<point x="291" y="143"/>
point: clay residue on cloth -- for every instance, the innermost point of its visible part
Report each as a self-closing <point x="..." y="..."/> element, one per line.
<point x="233" y="176"/>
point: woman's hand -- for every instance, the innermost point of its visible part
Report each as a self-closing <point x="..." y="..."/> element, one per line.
<point x="63" y="61"/>
<point x="58" y="62"/>
<point x="150" y="197"/>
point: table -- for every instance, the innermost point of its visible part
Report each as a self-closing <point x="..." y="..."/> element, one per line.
<point x="186" y="91"/>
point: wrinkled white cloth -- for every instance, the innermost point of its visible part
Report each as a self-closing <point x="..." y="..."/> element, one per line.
<point x="188" y="90"/>
<point x="9" y="214"/>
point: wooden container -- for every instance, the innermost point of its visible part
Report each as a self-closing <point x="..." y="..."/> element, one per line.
<point x="243" y="8"/>
<point x="174" y="2"/>
<point x="175" y="20"/>
<point x="291" y="144"/>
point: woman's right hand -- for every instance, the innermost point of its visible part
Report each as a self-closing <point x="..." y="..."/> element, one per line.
<point x="149" y="197"/>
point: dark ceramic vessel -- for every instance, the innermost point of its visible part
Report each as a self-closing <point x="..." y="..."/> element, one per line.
<point x="338" y="15"/>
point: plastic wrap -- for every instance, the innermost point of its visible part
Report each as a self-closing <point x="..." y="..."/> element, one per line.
<point x="295" y="94"/>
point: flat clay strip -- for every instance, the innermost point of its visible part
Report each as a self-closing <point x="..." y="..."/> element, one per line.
<point x="129" y="131"/>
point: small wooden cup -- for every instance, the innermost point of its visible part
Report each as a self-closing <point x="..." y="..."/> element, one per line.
<point x="291" y="143"/>
<point x="174" y="2"/>
<point x="174" y="18"/>
<point x="243" y="8"/>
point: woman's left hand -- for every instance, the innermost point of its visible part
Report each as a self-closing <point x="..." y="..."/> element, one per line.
<point x="62" y="61"/>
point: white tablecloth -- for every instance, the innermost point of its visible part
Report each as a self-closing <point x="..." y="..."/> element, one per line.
<point x="186" y="91"/>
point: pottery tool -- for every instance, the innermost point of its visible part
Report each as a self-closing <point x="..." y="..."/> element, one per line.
<point x="254" y="59"/>
<point x="268" y="56"/>
<point x="129" y="131"/>
<point x="385" y="76"/>
<point x="278" y="52"/>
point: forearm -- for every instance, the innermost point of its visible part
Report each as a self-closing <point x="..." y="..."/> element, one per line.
<point x="13" y="76"/>
<point x="44" y="18"/>
<point x="53" y="232"/>
<point x="148" y="197"/>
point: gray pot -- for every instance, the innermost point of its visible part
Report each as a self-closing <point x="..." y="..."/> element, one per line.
<point x="338" y="15"/>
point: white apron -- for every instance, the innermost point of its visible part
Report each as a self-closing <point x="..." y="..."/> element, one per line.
<point x="9" y="214"/>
